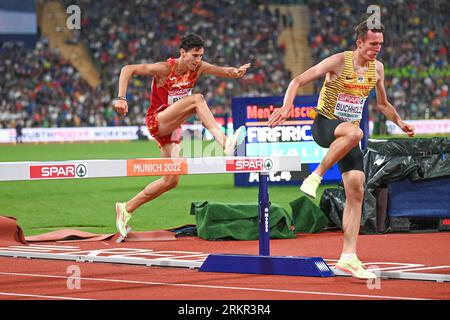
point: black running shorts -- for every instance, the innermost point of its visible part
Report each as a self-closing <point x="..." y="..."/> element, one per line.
<point x="323" y="133"/>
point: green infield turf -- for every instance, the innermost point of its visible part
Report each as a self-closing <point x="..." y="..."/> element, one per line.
<point x="88" y="204"/>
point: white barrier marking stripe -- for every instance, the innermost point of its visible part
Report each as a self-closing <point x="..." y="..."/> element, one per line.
<point x="16" y="171"/>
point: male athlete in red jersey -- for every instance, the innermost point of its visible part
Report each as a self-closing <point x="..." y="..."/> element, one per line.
<point x="171" y="104"/>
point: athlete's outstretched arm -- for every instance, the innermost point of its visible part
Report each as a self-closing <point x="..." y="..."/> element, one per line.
<point x="385" y="107"/>
<point x="146" y="69"/>
<point x="224" y="72"/>
<point x="331" y="64"/>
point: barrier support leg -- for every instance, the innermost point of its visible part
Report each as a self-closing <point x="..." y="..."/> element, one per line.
<point x="263" y="215"/>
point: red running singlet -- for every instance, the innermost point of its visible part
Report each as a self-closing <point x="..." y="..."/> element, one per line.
<point x="175" y="88"/>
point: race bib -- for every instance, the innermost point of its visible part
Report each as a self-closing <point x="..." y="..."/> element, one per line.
<point x="349" y="108"/>
<point x="174" y="96"/>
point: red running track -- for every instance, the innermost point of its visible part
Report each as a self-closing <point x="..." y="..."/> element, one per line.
<point x="47" y="279"/>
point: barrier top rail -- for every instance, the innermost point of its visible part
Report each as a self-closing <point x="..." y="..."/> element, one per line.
<point x="18" y="171"/>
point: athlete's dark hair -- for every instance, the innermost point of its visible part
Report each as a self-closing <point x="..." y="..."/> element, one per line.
<point x="191" y="41"/>
<point x="363" y="28"/>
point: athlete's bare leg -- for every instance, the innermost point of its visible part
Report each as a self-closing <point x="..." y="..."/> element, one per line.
<point x="177" y="113"/>
<point x="347" y="136"/>
<point x="351" y="220"/>
<point x="160" y="186"/>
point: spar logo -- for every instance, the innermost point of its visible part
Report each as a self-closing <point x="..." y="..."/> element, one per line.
<point x="268" y="164"/>
<point x="350" y="99"/>
<point x="81" y="170"/>
<point x="245" y="165"/>
<point x="58" y="171"/>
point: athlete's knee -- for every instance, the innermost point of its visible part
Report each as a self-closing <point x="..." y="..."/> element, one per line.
<point x="354" y="135"/>
<point x="354" y="190"/>
<point x="354" y="194"/>
<point x="350" y="132"/>
<point x="198" y="99"/>
<point x="170" y="182"/>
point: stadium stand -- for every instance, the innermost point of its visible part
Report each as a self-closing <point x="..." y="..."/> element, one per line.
<point x="146" y="32"/>
<point x="41" y="89"/>
<point x="415" y="53"/>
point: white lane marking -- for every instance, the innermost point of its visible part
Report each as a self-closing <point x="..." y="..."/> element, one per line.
<point x="53" y="246"/>
<point x="215" y="287"/>
<point x="14" y="294"/>
<point x="427" y="268"/>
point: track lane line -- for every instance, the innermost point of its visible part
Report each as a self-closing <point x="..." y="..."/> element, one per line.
<point x="14" y="294"/>
<point x="152" y="283"/>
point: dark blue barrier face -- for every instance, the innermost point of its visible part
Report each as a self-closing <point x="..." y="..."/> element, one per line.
<point x="292" y="138"/>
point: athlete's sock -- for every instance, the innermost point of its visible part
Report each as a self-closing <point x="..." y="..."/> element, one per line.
<point x="319" y="178"/>
<point x="347" y="256"/>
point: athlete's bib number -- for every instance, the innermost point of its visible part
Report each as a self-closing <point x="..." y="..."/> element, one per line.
<point x="178" y="95"/>
<point x="348" y="107"/>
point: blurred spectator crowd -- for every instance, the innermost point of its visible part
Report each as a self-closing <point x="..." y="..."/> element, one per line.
<point x="415" y="51"/>
<point x="39" y="88"/>
<point x="43" y="89"/>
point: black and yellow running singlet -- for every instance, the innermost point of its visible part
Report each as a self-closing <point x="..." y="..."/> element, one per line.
<point x="344" y="97"/>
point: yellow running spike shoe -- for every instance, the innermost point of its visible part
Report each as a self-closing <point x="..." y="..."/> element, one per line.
<point x="236" y="139"/>
<point x="355" y="268"/>
<point x="122" y="218"/>
<point x="310" y="185"/>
